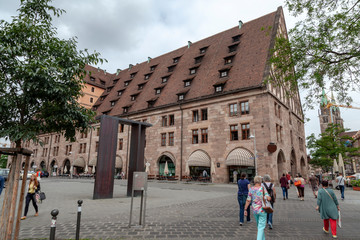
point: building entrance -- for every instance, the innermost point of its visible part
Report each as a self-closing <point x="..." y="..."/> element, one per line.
<point x="235" y="171"/>
<point x="170" y="166"/>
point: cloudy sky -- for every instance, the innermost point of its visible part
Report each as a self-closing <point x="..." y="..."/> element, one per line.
<point x="128" y="31"/>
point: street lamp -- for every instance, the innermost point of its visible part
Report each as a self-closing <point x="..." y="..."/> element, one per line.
<point x="253" y="137"/>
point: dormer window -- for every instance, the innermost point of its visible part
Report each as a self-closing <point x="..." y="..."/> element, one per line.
<point x="92" y="79"/>
<point x="181" y="97"/>
<point x="203" y="50"/>
<point x="176" y="60"/>
<point x="193" y="70"/>
<point x="102" y="98"/>
<point x="187" y="82"/>
<point x="141" y="86"/>
<point x="152" y="68"/>
<point x="236" y="38"/>
<point x="102" y="82"/>
<point x="229" y="60"/>
<point x="233" y="48"/>
<point x="151" y="103"/>
<point x="157" y="91"/>
<point x="109" y="89"/>
<point x="115" y="81"/>
<point x="106" y="112"/>
<point x="171" y="68"/>
<point x="112" y="103"/>
<point x="120" y="92"/>
<point x="165" y="79"/>
<point x="133" y="75"/>
<point x="134" y="96"/>
<point x="219" y="88"/>
<point x="224" y="73"/>
<point x="198" y="59"/>
<point x="147" y="76"/>
<point x="95" y="107"/>
<point x="126" y="109"/>
<point x="126" y="83"/>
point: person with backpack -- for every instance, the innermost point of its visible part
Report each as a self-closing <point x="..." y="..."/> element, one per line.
<point x="243" y="186"/>
<point x="270" y="188"/>
<point x="341" y="183"/>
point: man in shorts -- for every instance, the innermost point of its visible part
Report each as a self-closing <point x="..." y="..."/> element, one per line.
<point x="314" y="183"/>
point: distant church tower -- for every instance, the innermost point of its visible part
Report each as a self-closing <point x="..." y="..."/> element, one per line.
<point x="330" y="114"/>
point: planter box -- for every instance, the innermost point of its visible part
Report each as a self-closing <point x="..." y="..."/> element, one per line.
<point x="356" y="188"/>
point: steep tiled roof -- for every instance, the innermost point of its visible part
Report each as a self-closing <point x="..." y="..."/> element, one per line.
<point x="98" y="77"/>
<point x="248" y="47"/>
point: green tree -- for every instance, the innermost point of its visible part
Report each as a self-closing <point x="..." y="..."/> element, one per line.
<point x="329" y="145"/>
<point x="324" y="48"/>
<point x="41" y="76"/>
<point x="3" y="161"/>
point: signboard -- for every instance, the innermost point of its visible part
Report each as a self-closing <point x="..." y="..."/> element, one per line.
<point x="140" y="181"/>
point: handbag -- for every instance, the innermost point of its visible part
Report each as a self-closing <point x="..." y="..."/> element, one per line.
<point x="297" y="183"/>
<point x="338" y="186"/>
<point x="42" y="196"/>
<point x="266" y="205"/>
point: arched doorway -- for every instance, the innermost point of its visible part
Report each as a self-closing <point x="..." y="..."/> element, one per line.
<point x="79" y="165"/>
<point x="199" y="164"/>
<point x="240" y="160"/>
<point x="166" y="159"/>
<point x="281" y="163"/>
<point x="66" y="169"/>
<point x="53" y="167"/>
<point x="42" y="165"/>
<point x="32" y="166"/>
<point x="293" y="166"/>
<point x="303" y="167"/>
<point x="23" y="165"/>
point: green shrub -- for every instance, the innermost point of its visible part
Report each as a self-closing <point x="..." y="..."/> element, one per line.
<point x="355" y="183"/>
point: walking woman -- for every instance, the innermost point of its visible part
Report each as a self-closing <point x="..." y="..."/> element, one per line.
<point x="301" y="187"/>
<point x="284" y="186"/>
<point x="255" y="196"/>
<point x="244" y="186"/>
<point x="328" y="206"/>
<point x="270" y="188"/>
<point x="33" y="187"/>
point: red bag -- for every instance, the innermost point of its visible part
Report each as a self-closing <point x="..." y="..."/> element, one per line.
<point x="297" y="183"/>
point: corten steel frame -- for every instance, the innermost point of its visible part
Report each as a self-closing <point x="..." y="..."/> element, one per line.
<point x="105" y="166"/>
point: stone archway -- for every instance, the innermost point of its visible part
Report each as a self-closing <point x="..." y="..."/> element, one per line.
<point x="67" y="166"/>
<point x="42" y="165"/>
<point x="170" y="160"/>
<point x="281" y="163"/>
<point x="303" y="167"/>
<point x="293" y="164"/>
<point x="54" y="167"/>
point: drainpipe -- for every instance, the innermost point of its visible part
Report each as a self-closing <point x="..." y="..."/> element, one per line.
<point x="181" y="144"/>
<point x="91" y="131"/>
<point x="47" y="167"/>
<point x="127" y="153"/>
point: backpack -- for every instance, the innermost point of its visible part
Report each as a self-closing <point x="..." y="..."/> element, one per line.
<point x="270" y="192"/>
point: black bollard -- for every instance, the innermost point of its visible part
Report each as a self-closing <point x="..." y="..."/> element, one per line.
<point x="78" y="220"/>
<point x="54" y="213"/>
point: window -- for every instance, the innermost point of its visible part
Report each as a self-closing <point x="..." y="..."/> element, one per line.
<point x="301" y="144"/>
<point x="278" y="133"/>
<point x="83" y="135"/>
<point x="91" y="100"/>
<point x="290" y="122"/>
<point x="68" y="149"/>
<point x="233" y="48"/>
<point x="195" y="114"/>
<point x="165" y="79"/>
<point x="164" y="121"/>
<point x="195" y="136"/>
<point x="171" y="139"/>
<point x="203" y="50"/>
<point x="126" y="83"/>
<point x="193" y="71"/>
<point x="151" y="103"/>
<point x="224" y="73"/>
<point x="157" y="91"/>
<point x="112" y="103"/>
<point x="171" y="68"/>
<point x="171" y="120"/>
<point x="234" y="135"/>
<point x="245" y="131"/>
<point x="125" y="109"/>
<point x="121" y="128"/>
<point x="133" y="97"/>
<point x="219" y="88"/>
<point x="176" y="60"/>
<point x="102" y="98"/>
<point x="115" y="81"/>
<point x="277" y="109"/>
<point x="133" y="75"/>
<point x="96" y="146"/>
<point x="121" y="143"/>
<point x="326" y="119"/>
<point x="120" y="92"/>
<point x="109" y="89"/>
<point x="204" y="135"/>
<point x="236" y="38"/>
<point x="92" y="79"/>
<point x="204" y="114"/>
<point x="163" y="139"/>
<point x="141" y="86"/>
<point x="82" y="148"/>
<point x="102" y="82"/>
<point x="187" y="83"/>
<point x="198" y="59"/>
<point x="291" y="137"/>
<point x="233" y="109"/>
<point x="92" y="89"/>
<point x="244" y="107"/>
<point x="228" y="60"/>
<point x="181" y="97"/>
<point x="147" y="76"/>
<point x="152" y="68"/>
<point x="98" y="131"/>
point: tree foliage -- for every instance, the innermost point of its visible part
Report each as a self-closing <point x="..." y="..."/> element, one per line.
<point x="3" y="160"/>
<point x="324" y="48"/>
<point x="329" y="145"/>
<point x="41" y="76"/>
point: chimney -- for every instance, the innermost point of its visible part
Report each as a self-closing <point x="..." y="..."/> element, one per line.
<point x="149" y="58"/>
<point x="118" y="71"/>
<point x="105" y="71"/>
<point x="130" y="66"/>
<point x="98" y="69"/>
<point x="240" y="24"/>
<point x="189" y="44"/>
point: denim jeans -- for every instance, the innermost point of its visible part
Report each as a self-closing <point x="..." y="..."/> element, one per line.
<point x="242" y="202"/>
<point x="285" y="192"/>
<point x="270" y="215"/>
<point x="2" y="183"/>
<point x="342" y="189"/>
<point x="261" y="224"/>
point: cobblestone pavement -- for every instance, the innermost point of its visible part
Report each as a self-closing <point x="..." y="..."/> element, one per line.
<point x="178" y="211"/>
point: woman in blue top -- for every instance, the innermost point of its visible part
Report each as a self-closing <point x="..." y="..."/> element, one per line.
<point x="244" y="186"/>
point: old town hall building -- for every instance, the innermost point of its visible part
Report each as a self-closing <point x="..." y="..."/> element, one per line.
<point x="210" y="106"/>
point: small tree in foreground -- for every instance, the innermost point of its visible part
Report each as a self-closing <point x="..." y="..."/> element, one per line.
<point x="41" y="78"/>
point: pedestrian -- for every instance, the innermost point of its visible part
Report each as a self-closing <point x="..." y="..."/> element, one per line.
<point x="243" y="190"/>
<point x="288" y="177"/>
<point x="235" y="173"/>
<point x="314" y="183"/>
<point x="270" y="188"/>
<point x="328" y="206"/>
<point x="284" y="183"/>
<point x="2" y="183"/>
<point x="38" y="175"/>
<point x="205" y="174"/>
<point x="300" y="186"/>
<point x="30" y="196"/>
<point x="255" y="196"/>
<point x="341" y="183"/>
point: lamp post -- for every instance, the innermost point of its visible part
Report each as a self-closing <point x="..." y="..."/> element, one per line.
<point x="255" y="163"/>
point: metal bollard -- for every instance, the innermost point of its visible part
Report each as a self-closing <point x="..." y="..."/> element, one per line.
<point x="78" y="220"/>
<point x="54" y="213"/>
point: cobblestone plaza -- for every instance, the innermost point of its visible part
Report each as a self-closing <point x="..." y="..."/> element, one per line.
<point x="177" y="210"/>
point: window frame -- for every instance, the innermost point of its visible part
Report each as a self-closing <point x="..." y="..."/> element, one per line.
<point x="245" y="132"/>
<point x="246" y="106"/>
<point x="204" y="135"/>
<point x="234" y="128"/>
<point x="163" y="139"/>
<point x="171" y="138"/>
<point x="195" y="136"/>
